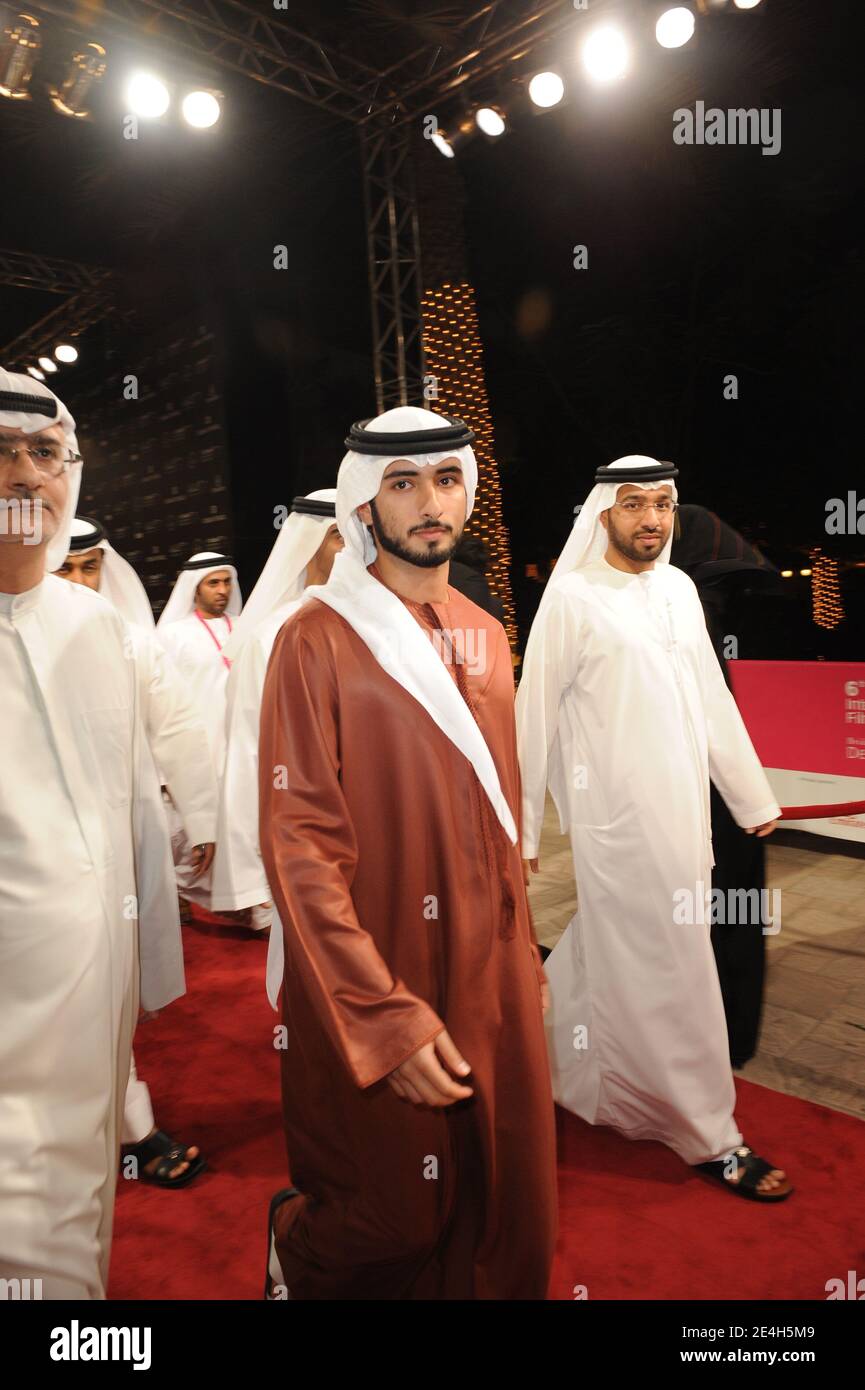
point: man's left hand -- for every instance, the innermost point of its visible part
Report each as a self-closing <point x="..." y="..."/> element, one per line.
<point x="201" y="859"/>
<point x="761" y="830"/>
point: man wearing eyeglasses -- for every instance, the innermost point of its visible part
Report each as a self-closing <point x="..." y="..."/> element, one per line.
<point x="84" y="865"/>
<point x="623" y="712"/>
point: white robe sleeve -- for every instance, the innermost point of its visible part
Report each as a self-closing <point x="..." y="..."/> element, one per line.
<point x="179" y="742"/>
<point x="549" y="669"/>
<point x="239" y="879"/>
<point x="733" y="763"/>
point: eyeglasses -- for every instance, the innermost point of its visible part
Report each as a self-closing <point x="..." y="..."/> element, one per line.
<point x="666" y="507"/>
<point x="48" y="458"/>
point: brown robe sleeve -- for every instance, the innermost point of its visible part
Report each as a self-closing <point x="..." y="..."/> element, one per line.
<point x="310" y="853"/>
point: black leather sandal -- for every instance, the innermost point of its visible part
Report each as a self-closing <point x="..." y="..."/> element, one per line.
<point x="160" y="1145"/>
<point x="754" y="1168"/>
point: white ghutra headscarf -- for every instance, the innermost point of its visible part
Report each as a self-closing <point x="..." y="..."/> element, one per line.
<point x="118" y="581"/>
<point x="379" y="617"/>
<point x="28" y="405"/>
<point x="283" y="578"/>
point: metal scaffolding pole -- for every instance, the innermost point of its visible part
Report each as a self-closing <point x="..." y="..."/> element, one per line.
<point x="393" y="259"/>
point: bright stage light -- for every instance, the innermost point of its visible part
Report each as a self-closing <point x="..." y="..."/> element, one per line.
<point x="47" y="365"/>
<point x="450" y="137"/>
<point x="19" y="48"/>
<point x="146" y="96"/>
<point x="201" y="109"/>
<point x="746" y="4"/>
<point x="605" y="54"/>
<point x="490" y="120"/>
<point x="546" y="89"/>
<point x="675" y="27"/>
<point x="442" y="144"/>
<point x="65" y="352"/>
<point x="72" y="96"/>
<point x="786" y="574"/>
<point x="34" y="371"/>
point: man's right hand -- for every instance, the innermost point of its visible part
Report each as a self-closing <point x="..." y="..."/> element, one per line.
<point x="530" y="866"/>
<point x="422" y="1079"/>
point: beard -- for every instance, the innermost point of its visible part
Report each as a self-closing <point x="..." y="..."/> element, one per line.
<point x="394" y="545"/>
<point x="630" y="548"/>
<point x="211" y="608"/>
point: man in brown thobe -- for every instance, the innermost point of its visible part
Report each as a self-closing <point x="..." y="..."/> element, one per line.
<point x="416" y="1092"/>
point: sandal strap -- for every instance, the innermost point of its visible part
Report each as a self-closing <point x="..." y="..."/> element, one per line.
<point x="169" y="1161"/>
<point x="754" y="1168"/>
<point x="157" y="1145"/>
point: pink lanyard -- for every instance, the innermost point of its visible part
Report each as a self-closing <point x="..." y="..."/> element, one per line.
<point x="214" y="636"/>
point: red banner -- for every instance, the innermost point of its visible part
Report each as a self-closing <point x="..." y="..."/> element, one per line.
<point x="808" y="716"/>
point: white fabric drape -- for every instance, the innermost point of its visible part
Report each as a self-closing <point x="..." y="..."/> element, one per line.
<point x="83" y="848"/>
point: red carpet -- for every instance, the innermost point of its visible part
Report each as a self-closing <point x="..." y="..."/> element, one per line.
<point x="634" y="1222"/>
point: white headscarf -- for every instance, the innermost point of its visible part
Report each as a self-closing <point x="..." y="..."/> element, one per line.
<point x="118" y="581"/>
<point x="588" y="540"/>
<point x="25" y="415"/>
<point x="380" y="618"/>
<point x="283" y="578"/>
<point x="181" y="600"/>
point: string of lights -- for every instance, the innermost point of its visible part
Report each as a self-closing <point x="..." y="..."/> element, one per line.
<point x="455" y="385"/>
<point x="827" y="608"/>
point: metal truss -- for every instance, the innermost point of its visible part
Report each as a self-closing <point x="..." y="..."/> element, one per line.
<point x="250" y="40"/>
<point x="394" y="264"/>
<point x="485" y="43"/>
<point x="75" y="316"/>
<point x="30" y="272"/>
<point x="268" y="49"/>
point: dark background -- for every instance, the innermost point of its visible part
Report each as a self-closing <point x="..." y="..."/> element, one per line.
<point x="702" y="262"/>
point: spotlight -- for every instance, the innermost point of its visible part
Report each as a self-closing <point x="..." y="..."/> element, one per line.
<point x="442" y="144"/>
<point x="746" y="4"/>
<point x="201" y="109"/>
<point x="675" y="27"/>
<point x="546" y="89"/>
<point x="65" y="352"/>
<point x="146" y="96"/>
<point x="491" y="120"/>
<point x="34" y="371"/>
<point x="19" y="49"/>
<point x="804" y="573"/>
<point x="47" y="365"/>
<point x="605" y="54"/>
<point x="72" y="97"/>
<point x="448" y="139"/>
<point x="786" y="574"/>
